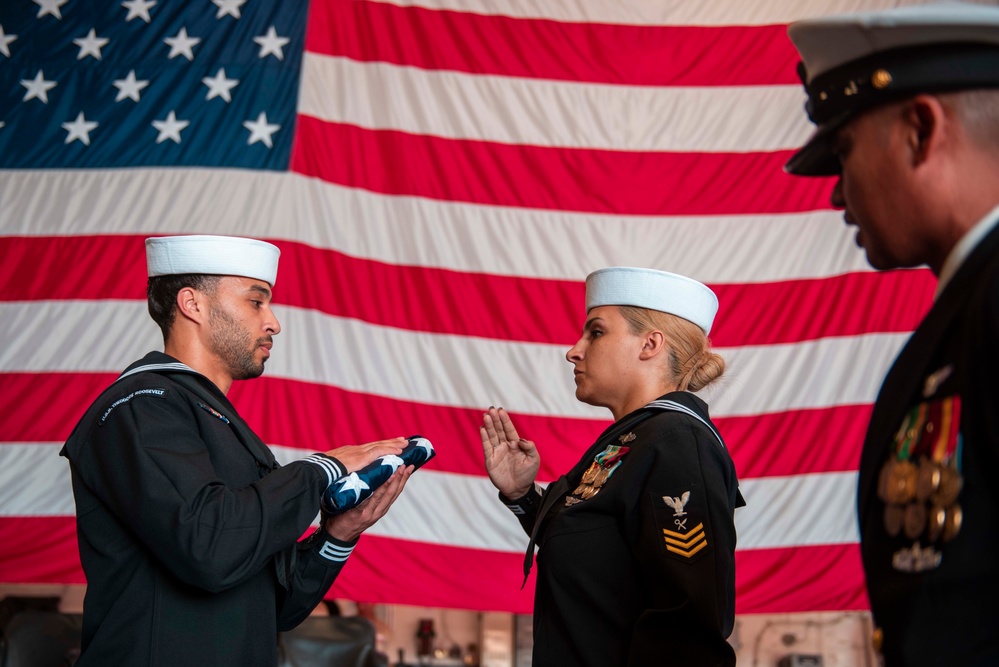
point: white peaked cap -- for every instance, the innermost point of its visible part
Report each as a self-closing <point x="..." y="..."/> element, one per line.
<point x="213" y="255"/>
<point x="655" y="290"/>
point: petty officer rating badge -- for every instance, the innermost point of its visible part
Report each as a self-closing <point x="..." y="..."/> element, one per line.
<point x="603" y="466"/>
<point x="683" y="532"/>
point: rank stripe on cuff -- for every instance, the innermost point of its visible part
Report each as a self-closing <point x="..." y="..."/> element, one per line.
<point x="334" y="553"/>
<point x="521" y="505"/>
<point x="333" y="473"/>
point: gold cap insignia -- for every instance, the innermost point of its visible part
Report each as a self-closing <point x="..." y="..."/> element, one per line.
<point x="881" y="79"/>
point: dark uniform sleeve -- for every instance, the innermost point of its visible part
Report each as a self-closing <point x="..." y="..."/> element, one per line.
<point x="683" y="537"/>
<point x="319" y="559"/>
<point x="525" y="508"/>
<point x="146" y="461"/>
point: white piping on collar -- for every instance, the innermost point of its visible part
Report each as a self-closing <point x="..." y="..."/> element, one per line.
<point x="174" y="366"/>
<point x="678" y="407"/>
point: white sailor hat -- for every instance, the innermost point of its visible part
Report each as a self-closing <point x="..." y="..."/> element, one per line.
<point x="213" y="255"/>
<point x="853" y="62"/>
<point x="655" y="290"/>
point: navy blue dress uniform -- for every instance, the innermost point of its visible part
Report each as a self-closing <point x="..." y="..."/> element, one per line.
<point x="933" y="449"/>
<point x="188" y="528"/>
<point x="928" y="497"/>
<point x="636" y="559"/>
<point x="643" y="571"/>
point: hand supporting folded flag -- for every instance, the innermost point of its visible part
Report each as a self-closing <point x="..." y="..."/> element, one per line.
<point x="353" y="489"/>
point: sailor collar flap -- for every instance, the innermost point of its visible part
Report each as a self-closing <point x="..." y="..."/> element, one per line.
<point x="195" y="382"/>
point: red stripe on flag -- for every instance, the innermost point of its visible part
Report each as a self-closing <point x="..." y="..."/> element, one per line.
<point x="43" y="268"/>
<point x="36" y="417"/>
<point x="497" y="576"/>
<point x="800" y="310"/>
<point x="567" y="179"/>
<point x="453" y="302"/>
<point x="810" y="441"/>
<point x="546" y="49"/>
<point x="40" y="550"/>
<point x="829" y="577"/>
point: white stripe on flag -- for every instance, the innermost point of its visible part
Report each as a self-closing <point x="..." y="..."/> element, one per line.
<point x="422" y="232"/>
<point x="553" y="113"/>
<point x="644" y="12"/>
<point x="67" y="336"/>
<point x="800" y="510"/>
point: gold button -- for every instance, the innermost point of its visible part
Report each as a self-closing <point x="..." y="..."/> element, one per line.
<point x="881" y="79"/>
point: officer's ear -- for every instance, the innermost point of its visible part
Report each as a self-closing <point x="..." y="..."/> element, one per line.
<point x="927" y="123"/>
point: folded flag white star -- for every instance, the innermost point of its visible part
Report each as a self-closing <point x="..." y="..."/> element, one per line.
<point x="353" y="489"/>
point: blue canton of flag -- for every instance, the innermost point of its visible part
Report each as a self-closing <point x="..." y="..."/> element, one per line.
<point x="95" y="84"/>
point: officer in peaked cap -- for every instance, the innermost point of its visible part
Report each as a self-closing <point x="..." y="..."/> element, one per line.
<point x="906" y="108"/>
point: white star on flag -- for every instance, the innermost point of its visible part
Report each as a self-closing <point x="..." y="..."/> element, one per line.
<point x="79" y="129"/>
<point x="50" y="7"/>
<point x="129" y="87"/>
<point x="271" y="44"/>
<point x="425" y="444"/>
<point x="354" y="483"/>
<point x="138" y="9"/>
<point x="38" y="88"/>
<point x="182" y="44"/>
<point x="219" y="85"/>
<point x="228" y="7"/>
<point x="260" y="130"/>
<point x="90" y="45"/>
<point x="392" y="460"/>
<point x="5" y="41"/>
<point x="170" y="128"/>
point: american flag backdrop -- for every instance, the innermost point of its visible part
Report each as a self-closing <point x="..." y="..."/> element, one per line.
<point x="440" y="176"/>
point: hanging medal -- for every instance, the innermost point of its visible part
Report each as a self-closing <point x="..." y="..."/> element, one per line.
<point x="601" y="468"/>
<point x="920" y="482"/>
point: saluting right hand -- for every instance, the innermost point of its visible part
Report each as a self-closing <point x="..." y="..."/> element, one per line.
<point x="511" y="462"/>
<point x="355" y="457"/>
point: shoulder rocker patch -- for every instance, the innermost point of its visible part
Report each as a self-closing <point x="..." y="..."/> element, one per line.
<point x="157" y="392"/>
